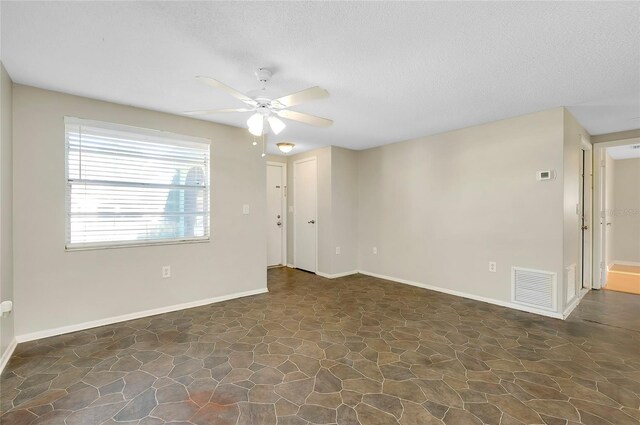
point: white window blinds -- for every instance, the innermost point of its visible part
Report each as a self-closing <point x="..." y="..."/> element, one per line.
<point x="131" y="186"/>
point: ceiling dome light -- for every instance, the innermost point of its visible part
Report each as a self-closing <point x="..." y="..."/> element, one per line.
<point x="276" y="125"/>
<point x="285" y="147"/>
<point x="256" y="124"/>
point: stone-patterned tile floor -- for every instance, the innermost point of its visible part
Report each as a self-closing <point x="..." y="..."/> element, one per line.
<point x="356" y="350"/>
<point x="611" y="308"/>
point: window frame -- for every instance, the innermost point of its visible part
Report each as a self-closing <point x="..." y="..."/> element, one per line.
<point x="141" y="134"/>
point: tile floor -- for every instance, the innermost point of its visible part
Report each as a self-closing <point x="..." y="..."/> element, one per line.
<point x="356" y="350"/>
<point x="614" y="309"/>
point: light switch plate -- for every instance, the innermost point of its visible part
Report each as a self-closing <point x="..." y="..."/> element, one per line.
<point x="245" y="209"/>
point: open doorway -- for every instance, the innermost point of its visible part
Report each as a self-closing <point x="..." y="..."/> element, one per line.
<point x="619" y="200"/>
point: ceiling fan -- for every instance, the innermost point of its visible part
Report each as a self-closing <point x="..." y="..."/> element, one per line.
<point x="268" y="111"/>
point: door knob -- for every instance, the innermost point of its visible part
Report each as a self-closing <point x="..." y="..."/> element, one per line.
<point x="279" y="223"/>
<point x="311" y="222"/>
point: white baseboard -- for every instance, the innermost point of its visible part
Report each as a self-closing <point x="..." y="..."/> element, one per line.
<point x="574" y="303"/>
<point x="467" y="295"/>
<point x="337" y="275"/>
<point x="7" y="354"/>
<point x="126" y="317"/>
<point x="329" y="276"/>
<point x="625" y="263"/>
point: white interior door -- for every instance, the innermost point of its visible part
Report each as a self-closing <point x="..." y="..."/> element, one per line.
<point x="305" y="213"/>
<point x="275" y="214"/>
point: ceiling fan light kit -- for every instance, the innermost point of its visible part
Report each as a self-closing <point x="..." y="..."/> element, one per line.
<point x="276" y="125"/>
<point x="266" y="111"/>
<point x="256" y="124"/>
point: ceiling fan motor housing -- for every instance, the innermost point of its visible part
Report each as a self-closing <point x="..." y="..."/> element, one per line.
<point x="263" y="75"/>
<point x="264" y="109"/>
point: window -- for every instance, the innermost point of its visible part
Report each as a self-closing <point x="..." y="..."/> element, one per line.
<point x="132" y="186"/>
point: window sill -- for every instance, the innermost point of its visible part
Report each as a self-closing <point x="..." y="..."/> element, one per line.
<point x="116" y="245"/>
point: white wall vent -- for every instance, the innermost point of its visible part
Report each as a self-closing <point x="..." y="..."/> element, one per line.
<point x="533" y="288"/>
<point x="571" y="282"/>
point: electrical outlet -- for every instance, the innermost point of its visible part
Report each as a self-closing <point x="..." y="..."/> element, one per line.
<point x="245" y="209"/>
<point x="492" y="266"/>
<point x="338" y="250"/>
<point x="374" y="250"/>
<point x="166" y="272"/>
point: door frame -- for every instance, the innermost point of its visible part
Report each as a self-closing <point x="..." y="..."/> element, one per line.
<point x="586" y="190"/>
<point x="283" y="201"/>
<point x="295" y="211"/>
<point x="599" y="237"/>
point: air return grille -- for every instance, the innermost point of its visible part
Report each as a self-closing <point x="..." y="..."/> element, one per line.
<point x="534" y="288"/>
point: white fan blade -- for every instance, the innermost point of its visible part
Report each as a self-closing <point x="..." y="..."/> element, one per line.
<point x="305" y="118"/>
<point x="215" y="111"/>
<point x="233" y="92"/>
<point x="312" y="93"/>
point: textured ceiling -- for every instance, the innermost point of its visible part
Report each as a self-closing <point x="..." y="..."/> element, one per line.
<point x="395" y="70"/>
<point x="630" y="151"/>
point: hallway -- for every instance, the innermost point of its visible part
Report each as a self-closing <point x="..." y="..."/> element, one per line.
<point x="623" y="278"/>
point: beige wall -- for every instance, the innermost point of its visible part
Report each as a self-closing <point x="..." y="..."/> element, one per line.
<point x="572" y="154"/>
<point x="439" y="208"/>
<point x="344" y="210"/>
<point x="626" y="207"/>
<point x="54" y="288"/>
<point x="382" y="197"/>
<point x="277" y="158"/>
<point x="6" y="202"/>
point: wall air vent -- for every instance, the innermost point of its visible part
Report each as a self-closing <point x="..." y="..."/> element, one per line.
<point x="533" y="288"/>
